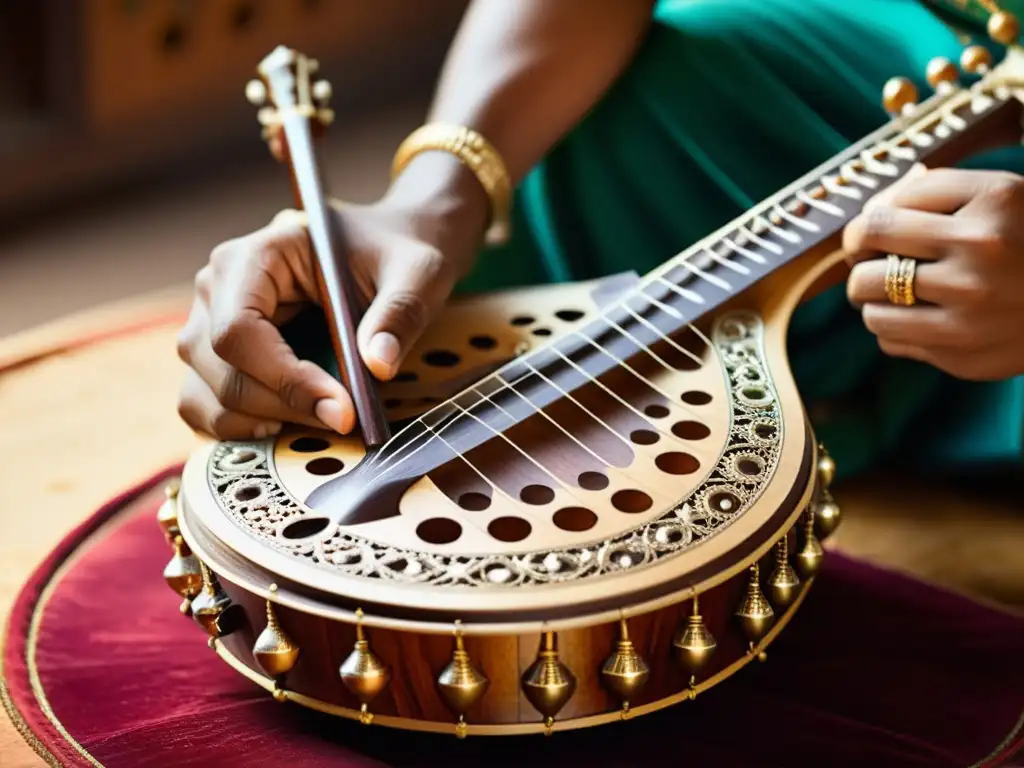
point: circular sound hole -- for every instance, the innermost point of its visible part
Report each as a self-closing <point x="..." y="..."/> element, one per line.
<point x="483" y="342"/>
<point x="765" y="431"/>
<point x="441" y="358"/>
<point x="677" y="463"/>
<point x="522" y="320"/>
<point x="474" y="502"/>
<point x="509" y="529"/>
<point x="439" y="530"/>
<point x="575" y="519"/>
<point x="569" y="315"/>
<point x="247" y="492"/>
<point x="593" y="481"/>
<point x="325" y="465"/>
<point x="541" y="331"/>
<point x="537" y="494"/>
<point x="300" y="529"/>
<point x="690" y="430"/>
<point x="656" y="411"/>
<point x="309" y="445"/>
<point x="406" y="376"/>
<point x="631" y="501"/>
<point x="749" y="467"/>
<point x="723" y="501"/>
<point x="241" y="457"/>
<point x="696" y="398"/>
<point x="643" y="437"/>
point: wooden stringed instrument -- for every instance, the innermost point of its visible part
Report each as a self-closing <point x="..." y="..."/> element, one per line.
<point x="597" y="500"/>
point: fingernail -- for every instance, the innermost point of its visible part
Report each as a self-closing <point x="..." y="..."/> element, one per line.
<point x="265" y="429"/>
<point x="330" y="413"/>
<point x="384" y="346"/>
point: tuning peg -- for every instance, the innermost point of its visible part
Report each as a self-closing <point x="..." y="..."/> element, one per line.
<point x="899" y="95"/>
<point x="975" y="60"/>
<point x="256" y="93"/>
<point x="313" y="66"/>
<point x="941" y="73"/>
<point x="322" y="91"/>
<point x="1004" y="28"/>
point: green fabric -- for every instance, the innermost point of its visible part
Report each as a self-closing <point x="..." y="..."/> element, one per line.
<point x="727" y="102"/>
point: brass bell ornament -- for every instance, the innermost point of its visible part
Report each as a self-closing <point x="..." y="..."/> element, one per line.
<point x="624" y="672"/>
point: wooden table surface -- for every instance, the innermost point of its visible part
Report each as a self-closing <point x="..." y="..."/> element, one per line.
<point x="80" y="425"/>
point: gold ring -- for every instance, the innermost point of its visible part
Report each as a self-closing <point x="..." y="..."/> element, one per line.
<point x="899" y="280"/>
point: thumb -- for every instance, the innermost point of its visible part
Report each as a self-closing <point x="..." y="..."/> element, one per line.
<point x="412" y="286"/>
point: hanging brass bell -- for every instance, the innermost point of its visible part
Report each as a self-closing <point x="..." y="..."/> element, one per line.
<point x="167" y="514"/>
<point x="811" y="554"/>
<point x="624" y="672"/>
<point x="548" y="684"/>
<point x="183" y="575"/>
<point x="274" y="650"/>
<point x="212" y="608"/>
<point x="826" y="467"/>
<point x="694" y="644"/>
<point x="461" y="684"/>
<point x="826" y="516"/>
<point x="755" y="613"/>
<point x="783" y="583"/>
<point x="363" y="673"/>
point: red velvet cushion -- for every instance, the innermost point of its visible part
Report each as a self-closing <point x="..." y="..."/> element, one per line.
<point x="875" y="670"/>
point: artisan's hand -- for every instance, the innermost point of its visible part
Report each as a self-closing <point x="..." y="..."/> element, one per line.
<point x="966" y="230"/>
<point x="245" y="381"/>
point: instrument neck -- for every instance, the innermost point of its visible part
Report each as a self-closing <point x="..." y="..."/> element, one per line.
<point x="657" y="323"/>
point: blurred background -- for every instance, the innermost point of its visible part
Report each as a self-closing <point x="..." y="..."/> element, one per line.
<point x="128" y="150"/>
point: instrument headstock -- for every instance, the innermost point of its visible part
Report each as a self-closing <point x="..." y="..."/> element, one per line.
<point x="900" y="95"/>
<point x="286" y="85"/>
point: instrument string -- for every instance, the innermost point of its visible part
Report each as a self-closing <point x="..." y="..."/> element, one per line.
<point x="642" y="347"/>
<point x="738" y="268"/>
<point x="700" y="273"/>
<point x="611" y="392"/>
<point x="641" y="449"/>
<point x="626" y="366"/>
<point x="555" y="422"/>
<point x="495" y="488"/>
<point x="590" y="379"/>
<point x="526" y="455"/>
<point x="664" y="337"/>
<point x="534" y="407"/>
<point x="866" y="150"/>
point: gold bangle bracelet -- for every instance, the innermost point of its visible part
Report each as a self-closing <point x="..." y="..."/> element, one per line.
<point x="477" y="154"/>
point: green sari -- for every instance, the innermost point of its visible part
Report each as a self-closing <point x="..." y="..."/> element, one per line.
<point x="727" y="102"/>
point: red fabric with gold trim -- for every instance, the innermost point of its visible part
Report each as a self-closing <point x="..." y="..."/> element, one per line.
<point x="876" y="669"/>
